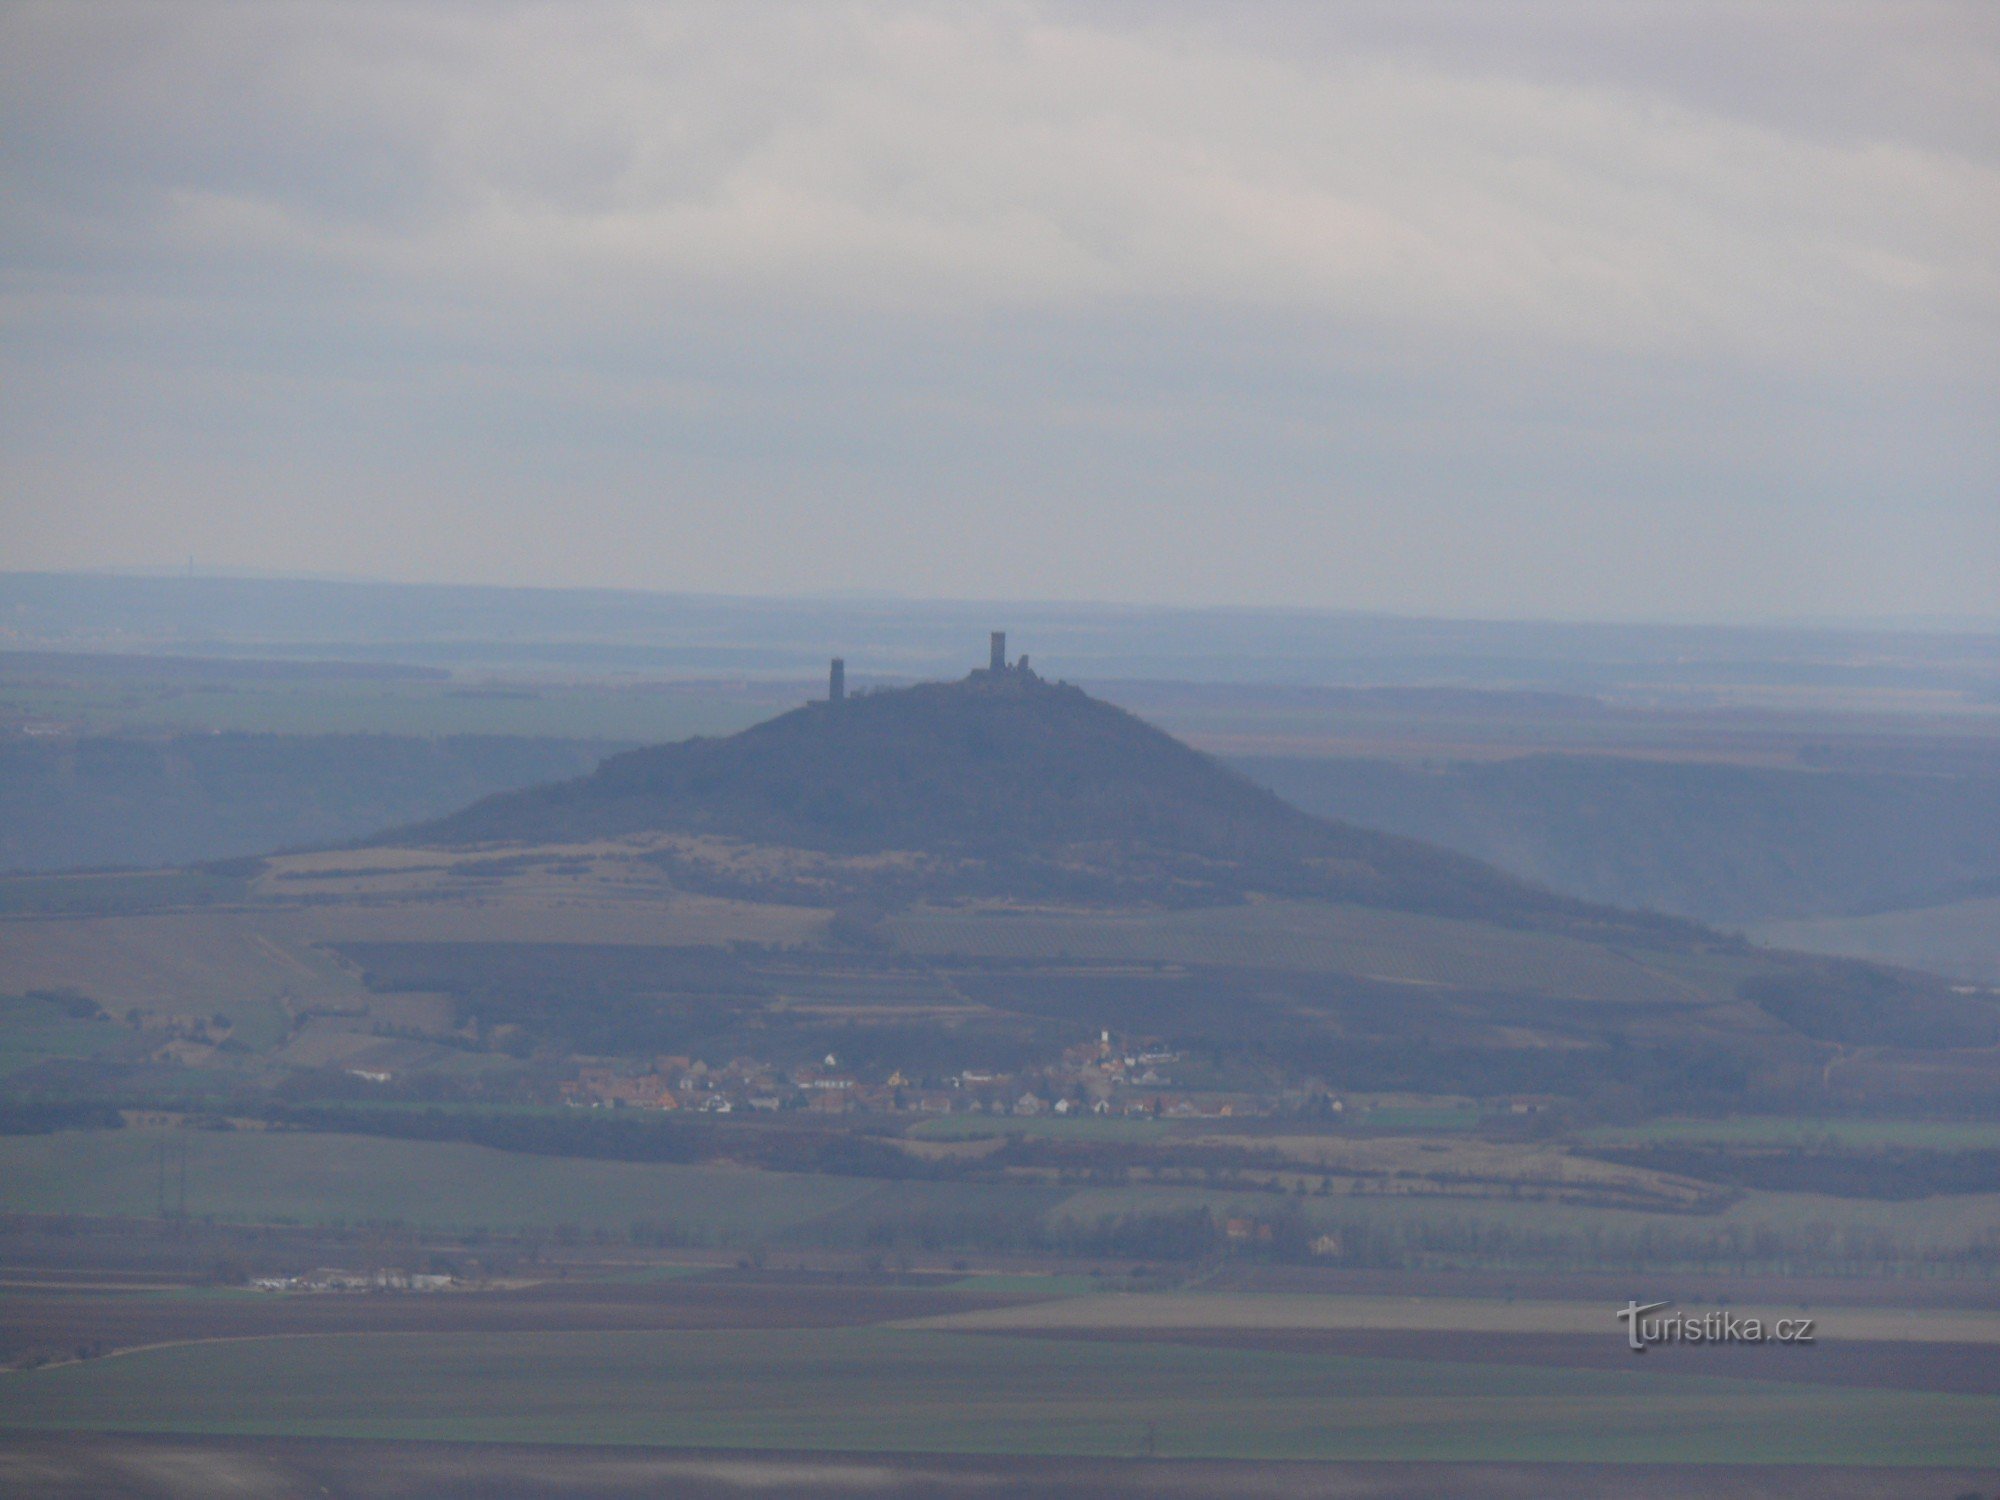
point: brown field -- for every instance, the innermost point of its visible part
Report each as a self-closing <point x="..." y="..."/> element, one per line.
<point x="87" y="1466"/>
<point x="174" y="961"/>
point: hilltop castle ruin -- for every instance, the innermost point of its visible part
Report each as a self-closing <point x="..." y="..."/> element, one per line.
<point x="996" y="667"/>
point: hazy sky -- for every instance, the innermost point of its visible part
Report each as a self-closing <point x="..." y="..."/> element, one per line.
<point x="1536" y="309"/>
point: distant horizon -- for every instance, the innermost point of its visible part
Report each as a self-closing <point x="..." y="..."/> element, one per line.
<point x="1915" y="624"/>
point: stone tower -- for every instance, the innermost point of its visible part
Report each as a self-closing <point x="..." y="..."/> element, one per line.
<point x="999" y="661"/>
<point x="836" y="680"/>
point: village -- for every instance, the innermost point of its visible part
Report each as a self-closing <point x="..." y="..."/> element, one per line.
<point x="1099" y="1078"/>
<point x="337" y="1279"/>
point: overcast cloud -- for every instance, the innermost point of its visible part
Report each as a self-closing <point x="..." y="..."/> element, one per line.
<point x="1531" y="310"/>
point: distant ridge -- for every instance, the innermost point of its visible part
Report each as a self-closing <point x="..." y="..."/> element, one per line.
<point x="1010" y="785"/>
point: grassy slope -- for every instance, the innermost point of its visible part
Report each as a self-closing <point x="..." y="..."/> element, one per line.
<point x="889" y="1390"/>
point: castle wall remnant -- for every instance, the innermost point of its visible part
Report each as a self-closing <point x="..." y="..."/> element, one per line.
<point x="836" y="680"/>
<point x="999" y="661"/>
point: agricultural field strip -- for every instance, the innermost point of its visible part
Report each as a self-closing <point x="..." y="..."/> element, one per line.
<point x="1309" y="937"/>
<point x="1480" y="1161"/>
<point x="195" y="963"/>
<point x="322" y="1335"/>
<point x="887" y="1389"/>
<point x="1777" y="1131"/>
<point x="1256" y="1311"/>
<point x="182" y="960"/>
<point x="503" y="917"/>
<point x="1958" y="1222"/>
<point x="260" y="1177"/>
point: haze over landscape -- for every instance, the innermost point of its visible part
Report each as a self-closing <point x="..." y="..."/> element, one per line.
<point x="1667" y="311"/>
<point x="1033" y="748"/>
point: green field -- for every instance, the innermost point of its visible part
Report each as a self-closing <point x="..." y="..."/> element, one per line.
<point x="889" y="1390"/>
<point x="258" y="1177"/>
<point x="1795" y="1131"/>
<point x="1781" y="1232"/>
<point x="1047" y="1127"/>
<point x="324" y="1179"/>
<point x="33" y="1030"/>
<point x="1036" y="1284"/>
<point x="111" y="894"/>
<point x="1441" y="1118"/>
<point x="1142" y="1128"/>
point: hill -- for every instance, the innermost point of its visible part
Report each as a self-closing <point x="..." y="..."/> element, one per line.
<point x="952" y="879"/>
<point x="1003" y="783"/>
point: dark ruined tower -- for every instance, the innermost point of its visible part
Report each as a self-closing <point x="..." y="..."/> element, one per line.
<point x="836" y="680"/>
<point x="999" y="661"/>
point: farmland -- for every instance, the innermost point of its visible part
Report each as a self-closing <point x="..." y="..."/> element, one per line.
<point x="1175" y="1314"/>
<point x="1310" y="938"/>
<point x="925" y="1110"/>
<point x="259" y="1177"/>
<point x="184" y="963"/>
<point x="1774" y="1231"/>
<point x="1785" y="1130"/>
<point x="38" y="1027"/>
<point x="292" y="1177"/>
<point x="898" y="1390"/>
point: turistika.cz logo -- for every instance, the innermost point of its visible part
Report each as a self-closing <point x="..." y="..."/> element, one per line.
<point x="1642" y="1331"/>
